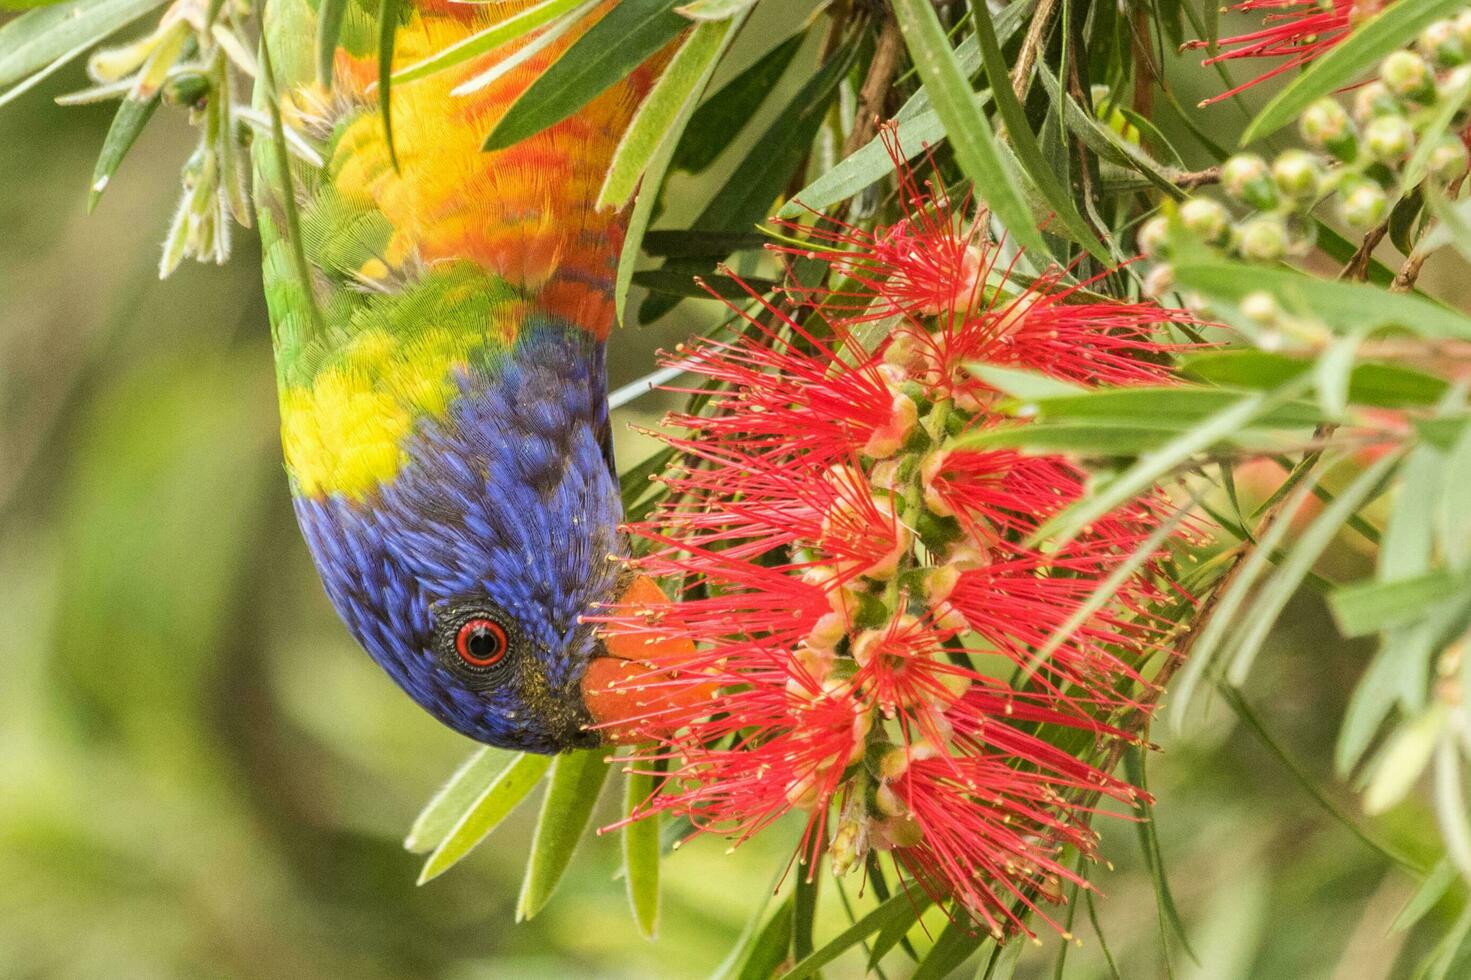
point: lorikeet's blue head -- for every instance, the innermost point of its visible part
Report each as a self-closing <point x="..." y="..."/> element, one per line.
<point x="439" y="316"/>
<point x="467" y="575"/>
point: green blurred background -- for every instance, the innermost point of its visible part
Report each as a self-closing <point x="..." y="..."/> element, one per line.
<point x="200" y="775"/>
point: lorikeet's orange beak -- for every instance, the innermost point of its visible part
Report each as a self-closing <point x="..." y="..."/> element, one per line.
<point x="642" y="687"/>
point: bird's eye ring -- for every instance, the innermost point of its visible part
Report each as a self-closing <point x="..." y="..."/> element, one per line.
<point x="481" y="643"/>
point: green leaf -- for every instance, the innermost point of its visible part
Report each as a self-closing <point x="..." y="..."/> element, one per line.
<point x="1378" y="385"/>
<point x="681" y="83"/>
<point x="513" y="28"/>
<point x="1253" y="721"/>
<point x="129" y="121"/>
<point x="1019" y="131"/>
<point x="869" y="164"/>
<point x="576" y="779"/>
<point x="1023" y="384"/>
<point x="966" y="125"/>
<point x="1453" y="516"/>
<point x="768" y="948"/>
<point x="1347" y="61"/>
<point x="389" y="12"/>
<point x="680" y="243"/>
<point x="953" y="946"/>
<point x="721" y="117"/>
<point x="1202" y="654"/>
<point x="1157" y="463"/>
<point x="746" y="197"/>
<point x="1305" y="553"/>
<point x="445" y="808"/>
<point x="641" y="854"/>
<point x="1343" y="306"/>
<point x="329" y="28"/>
<point x="1166" y="407"/>
<point x="653" y="183"/>
<point x="1427" y="896"/>
<point x="617" y="43"/>
<point x="1403" y="759"/>
<point x="667" y="282"/>
<point x="495" y="802"/>
<point x="1107" y="143"/>
<point x="892" y="932"/>
<point x="714" y="10"/>
<point x="39" y="37"/>
<point x="1144" y="825"/>
<point x="901" y="908"/>
<point x="1366" y="608"/>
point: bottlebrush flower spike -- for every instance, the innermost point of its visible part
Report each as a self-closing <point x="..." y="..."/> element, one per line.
<point x="1296" y="31"/>
<point x="859" y="587"/>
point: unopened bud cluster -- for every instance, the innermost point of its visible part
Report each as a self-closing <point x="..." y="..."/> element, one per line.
<point x="189" y="61"/>
<point x="1362" y="156"/>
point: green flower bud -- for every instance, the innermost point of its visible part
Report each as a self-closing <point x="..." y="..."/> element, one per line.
<point x="1297" y="175"/>
<point x="1406" y="74"/>
<point x="189" y="89"/>
<point x="1263" y="238"/>
<point x="1154" y="237"/>
<point x="1326" y="126"/>
<point x="1374" y="100"/>
<point x="1449" y="160"/>
<point x="1246" y="178"/>
<point x="1362" y="203"/>
<point x="1389" y="139"/>
<point x="1442" y="44"/>
<point x="1205" y="218"/>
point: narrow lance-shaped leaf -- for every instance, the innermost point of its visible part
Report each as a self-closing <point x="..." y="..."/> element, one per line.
<point x="576" y="779"/>
<point x="1310" y="545"/>
<point x="514" y="783"/>
<point x="137" y="108"/>
<point x="902" y="907"/>
<point x="1154" y="465"/>
<point x="329" y="28"/>
<point x="1169" y="914"/>
<point x="681" y="82"/>
<point x="37" y="38"/>
<point x="722" y="117"/>
<point x="611" y="48"/>
<point x="388" y="14"/>
<point x="641" y="854"/>
<point x="456" y="796"/>
<point x="1028" y="150"/>
<point x="966" y="125"/>
<point x="513" y="28"/>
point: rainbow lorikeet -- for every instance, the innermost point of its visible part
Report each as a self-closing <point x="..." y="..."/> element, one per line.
<point x="442" y="389"/>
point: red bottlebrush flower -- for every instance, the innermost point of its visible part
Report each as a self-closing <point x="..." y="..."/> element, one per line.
<point x="1296" y="31"/>
<point x="860" y="587"/>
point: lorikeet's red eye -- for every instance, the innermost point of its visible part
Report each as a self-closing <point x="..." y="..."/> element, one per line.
<point x="481" y="643"/>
